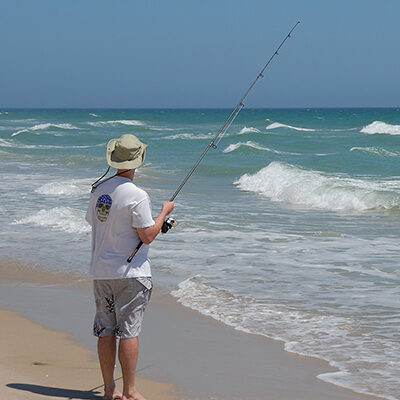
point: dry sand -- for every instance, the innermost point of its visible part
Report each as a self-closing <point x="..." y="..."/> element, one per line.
<point x="37" y="363"/>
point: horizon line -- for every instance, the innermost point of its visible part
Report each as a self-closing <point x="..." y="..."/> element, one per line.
<point x="201" y="108"/>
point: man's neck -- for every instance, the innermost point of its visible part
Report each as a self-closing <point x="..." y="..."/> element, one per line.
<point x="130" y="173"/>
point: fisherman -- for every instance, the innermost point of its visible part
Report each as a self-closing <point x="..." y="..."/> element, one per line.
<point x="120" y="216"/>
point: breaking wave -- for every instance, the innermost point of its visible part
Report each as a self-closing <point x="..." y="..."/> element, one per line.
<point x="276" y="125"/>
<point x="16" y="144"/>
<point x="235" y="146"/>
<point x="249" y="130"/>
<point x="75" y="187"/>
<point x="381" y="127"/>
<point x="65" y="219"/>
<point x="377" y="151"/>
<point x="41" y="127"/>
<point x="209" y="135"/>
<point x="6" y="143"/>
<point x="129" y="122"/>
<point x="189" y="136"/>
<point x="283" y="182"/>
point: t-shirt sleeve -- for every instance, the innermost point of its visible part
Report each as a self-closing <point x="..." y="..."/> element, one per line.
<point x="141" y="214"/>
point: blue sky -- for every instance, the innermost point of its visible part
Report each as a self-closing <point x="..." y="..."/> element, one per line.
<point x="170" y="53"/>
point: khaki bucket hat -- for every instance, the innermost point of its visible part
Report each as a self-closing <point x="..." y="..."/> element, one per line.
<point x="127" y="152"/>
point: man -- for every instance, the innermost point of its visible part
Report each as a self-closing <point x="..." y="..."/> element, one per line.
<point x="120" y="216"/>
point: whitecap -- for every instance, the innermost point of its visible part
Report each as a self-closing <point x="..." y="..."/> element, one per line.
<point x="381" y="127"/>
<point x="276" y="125"/>
<point x="94" y="115"/>
<point x="128" y="122"/>
<point x="65" y="219"/>
<point x="254" y="145"/>
<point x="6" y="143"/>
<point x="376" y="150"/>
<point x="286" y="183"/>
<point x="18" y="145"/>
<point x="160" y="128"/>
<point x="40" y="127"/>
<point x="249" y="130"/>
<point x="189" y="136"/>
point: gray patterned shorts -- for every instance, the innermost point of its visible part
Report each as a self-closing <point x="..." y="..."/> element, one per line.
<point x="120" y="304"/>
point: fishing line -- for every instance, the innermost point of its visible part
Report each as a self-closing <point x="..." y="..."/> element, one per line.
<point x="228" y="126"/>
<point x="169" y="222"/>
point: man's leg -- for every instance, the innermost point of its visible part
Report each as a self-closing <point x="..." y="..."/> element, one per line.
<point x="128" y="355"/>
<point x="106" y="348"/>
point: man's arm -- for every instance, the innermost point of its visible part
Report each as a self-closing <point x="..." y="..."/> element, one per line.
<point x="147" y="235"/>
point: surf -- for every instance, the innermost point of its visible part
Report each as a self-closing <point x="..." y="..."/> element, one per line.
<point x="65" y="219"/>
<point x="285" y="183"/>
<point x="276" y="125"/>
<point x="41" y="127"/>
<point x="380" y="127"/>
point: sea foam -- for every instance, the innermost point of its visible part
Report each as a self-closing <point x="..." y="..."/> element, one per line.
<point x="306" y="333"/>
<point x="75" y="187"/>
<point x="286" y="183"/>
<point x="65" y="219"/>
<point x="381" y="127"/>
<point x="41" y="127"/>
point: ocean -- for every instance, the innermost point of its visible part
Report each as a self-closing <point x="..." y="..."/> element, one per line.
<point x="288" y="229"/>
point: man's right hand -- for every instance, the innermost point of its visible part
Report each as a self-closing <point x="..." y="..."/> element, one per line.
<point x="167" y="207"/>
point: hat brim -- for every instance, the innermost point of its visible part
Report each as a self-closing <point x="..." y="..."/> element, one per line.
<point x="114" y="162"/>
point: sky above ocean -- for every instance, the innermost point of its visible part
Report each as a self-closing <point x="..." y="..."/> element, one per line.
<point x="179" y="54"/>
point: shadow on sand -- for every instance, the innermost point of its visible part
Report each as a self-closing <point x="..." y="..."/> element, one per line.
<point x="57" y="392"/>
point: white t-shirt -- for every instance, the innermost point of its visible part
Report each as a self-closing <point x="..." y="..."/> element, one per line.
<point x="116" y="208"/>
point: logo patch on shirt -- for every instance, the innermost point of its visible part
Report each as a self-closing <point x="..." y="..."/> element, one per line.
<point x="103" y="207"/>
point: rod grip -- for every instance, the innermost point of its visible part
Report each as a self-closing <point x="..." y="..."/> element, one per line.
<point x="129" y="259"/>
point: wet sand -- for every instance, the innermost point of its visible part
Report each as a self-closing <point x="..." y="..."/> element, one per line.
<point x="200" y="358"/>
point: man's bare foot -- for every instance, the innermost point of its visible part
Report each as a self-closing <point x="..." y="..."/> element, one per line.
<point x="136" y="396"/>
<point x="115" y="395"/>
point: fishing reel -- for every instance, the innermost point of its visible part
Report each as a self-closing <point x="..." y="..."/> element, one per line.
<point x="167" y="225"/>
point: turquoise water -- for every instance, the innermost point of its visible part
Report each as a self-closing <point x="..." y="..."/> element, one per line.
<point x="289" y="229"/>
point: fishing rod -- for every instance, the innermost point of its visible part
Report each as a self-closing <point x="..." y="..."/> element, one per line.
<point x="169" y="222"/>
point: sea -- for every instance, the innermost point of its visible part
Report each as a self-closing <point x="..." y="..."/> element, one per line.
<point x="289" y="228"/>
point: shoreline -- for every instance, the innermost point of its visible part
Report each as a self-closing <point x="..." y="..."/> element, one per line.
<point x="200" y="357"/>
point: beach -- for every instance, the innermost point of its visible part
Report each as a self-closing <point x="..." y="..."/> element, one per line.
<point x="286" y="243"/>
<point x="48" y="352"/>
